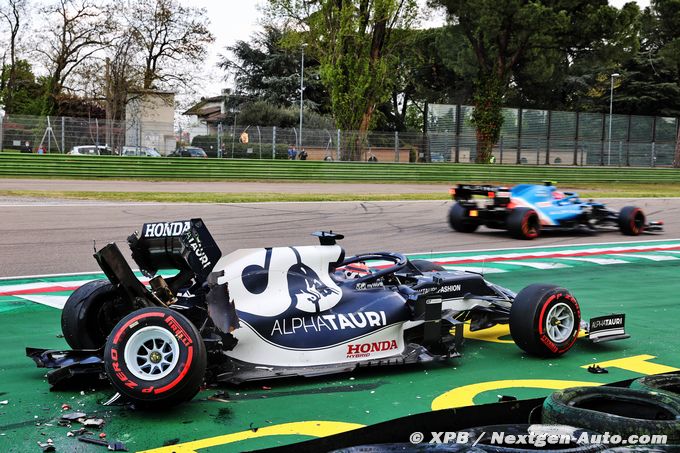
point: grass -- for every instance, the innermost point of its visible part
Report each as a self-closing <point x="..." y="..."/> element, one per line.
<point x="603" y="190"/>
<point x="202" y="197"/>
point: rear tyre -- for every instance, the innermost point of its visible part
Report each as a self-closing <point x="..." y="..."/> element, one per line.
<point x="545" y="320"/>
<point x="90" y="313"/>
<point x="631" y="221"/>
<point x="523" y="223"/>
<point x="623" y="411"/>
<point x="460" y="220"/>
<point x="155" y="357"/>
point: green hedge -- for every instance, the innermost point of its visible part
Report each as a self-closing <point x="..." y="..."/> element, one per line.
<point x="64" y="166"/>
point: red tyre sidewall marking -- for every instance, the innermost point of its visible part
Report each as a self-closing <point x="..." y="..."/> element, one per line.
<point x="633" y="226"/>
<point x="179" y="333"/>
<point x="541" y="318"/>
<point x="525" y="226"/>
<point x="179" y="378"/>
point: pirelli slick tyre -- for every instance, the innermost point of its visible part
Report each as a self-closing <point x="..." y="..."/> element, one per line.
<point x="545" y="320"/>
<point x="631" y="221"/>
<point x="615" y="410"/>
<point x="523" y="223"/>
<point x="525" y="437"/>
<point x="155" y="357"/>
<point x="90" y="313"/>
<point x="460" y="221"/>
<point x="669" y="383"/>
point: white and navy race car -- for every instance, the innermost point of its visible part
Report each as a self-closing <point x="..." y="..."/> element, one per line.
<point x="274" y="312"/>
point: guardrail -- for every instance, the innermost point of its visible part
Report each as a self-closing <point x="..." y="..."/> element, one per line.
<point x="114" y="167"/>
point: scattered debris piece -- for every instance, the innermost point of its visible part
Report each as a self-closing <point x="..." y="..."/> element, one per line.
<point x="65" y="407"/>
<point x="47" y="446"/>
<point x="596" y="369"/>
<point x="73" y="416"/>
<point x="253" y="428"/>
<point x="506" y="398"/>
<point x="91" y="422"/>
<point x="3" y="402"/>
<point x="102" y="435"/>
<point x="112" y="400"/>
<point x="264" y="387"/>
<point x="112" y="446"/>
<point x="169" y="442"/>
<point x="221" y="396"/>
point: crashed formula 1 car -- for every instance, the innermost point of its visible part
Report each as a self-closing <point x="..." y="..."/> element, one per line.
<point x="527" y="209"/>
<point x="285" y="311"/>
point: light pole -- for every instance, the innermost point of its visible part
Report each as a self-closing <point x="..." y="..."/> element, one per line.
<point x="611" y="106"/>
<point x="302" y="87"/>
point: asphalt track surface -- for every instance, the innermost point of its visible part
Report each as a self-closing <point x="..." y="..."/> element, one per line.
<point x="49" y="236"/>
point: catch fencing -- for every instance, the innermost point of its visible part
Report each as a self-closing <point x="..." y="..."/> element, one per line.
<point x="528" y="136"/>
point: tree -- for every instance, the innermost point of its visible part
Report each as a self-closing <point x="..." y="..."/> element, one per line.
<point x="501" y="33"/>
<point x="27" y="92"/>
<point x="12" y="17"/>
<point x="425" y="76"/>
<point x="79" y="30"/>
<point x="353" y="42"/>
<point x="265" y="69"/>
<point x="171" y="39"/>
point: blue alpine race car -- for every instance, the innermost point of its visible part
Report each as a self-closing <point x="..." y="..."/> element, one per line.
<point x="526" y="209"/>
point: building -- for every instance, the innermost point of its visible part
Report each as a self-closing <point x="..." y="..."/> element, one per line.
<point x="150" y="119"/>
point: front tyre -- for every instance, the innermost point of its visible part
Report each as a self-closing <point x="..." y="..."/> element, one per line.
<point x="631" y="221"/>
<point x="545" y="320"/>
<point x="155" y="357"/>
<point x="460" y="221"/>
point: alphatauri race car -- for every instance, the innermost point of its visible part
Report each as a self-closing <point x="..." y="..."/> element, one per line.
<point x="526" y="209"/>
<point x="276" y="312"/>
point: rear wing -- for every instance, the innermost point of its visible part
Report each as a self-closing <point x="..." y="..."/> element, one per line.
<point x="464" y="192"/>
<point x="183" y="245"/>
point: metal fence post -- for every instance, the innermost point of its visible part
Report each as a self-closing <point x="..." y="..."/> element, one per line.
<point x="219" y="140"/>
<point x="547" y="144"/>
<point x="396" y="146"/>
<point x="337" y="152"/>
<point x="501" y="146"/>
<point x="630" y="119"/>
<point x="576" y="140"/>
<point x="653" y="142"/>
<point x="63" y="134"/>
<point x="2" y="118"/>
<point x="519" y="136"/>
<point x="458" y="112"/>
<point x="274" y="142"/>
<point x="602" y="138"/>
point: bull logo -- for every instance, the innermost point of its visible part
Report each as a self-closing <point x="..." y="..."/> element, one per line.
<point x="307" y="292"/>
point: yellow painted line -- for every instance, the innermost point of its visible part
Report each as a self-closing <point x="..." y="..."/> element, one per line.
<point x="637" y="364"/>
<point x="464" y="396"/>
<point x="317" y="428"/>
